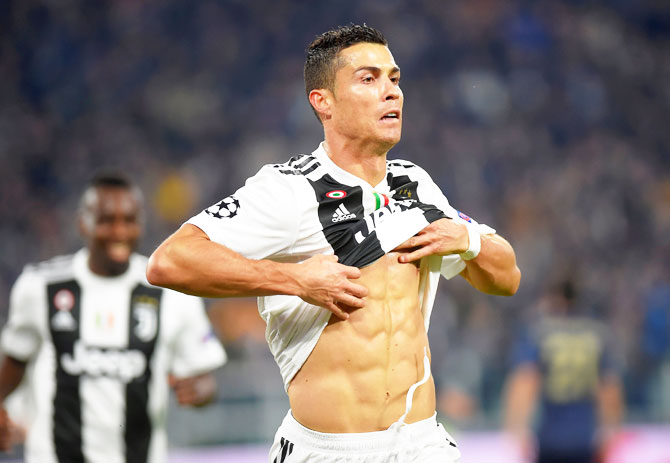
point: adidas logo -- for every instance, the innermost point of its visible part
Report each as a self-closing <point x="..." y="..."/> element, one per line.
<point x="341" y="213"/>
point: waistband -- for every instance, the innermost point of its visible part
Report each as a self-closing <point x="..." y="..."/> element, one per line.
<point x="354" y="442"/>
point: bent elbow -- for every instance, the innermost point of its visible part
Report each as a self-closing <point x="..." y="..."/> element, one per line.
<point x="156" y="271"/>
<point x="513" y="285"/>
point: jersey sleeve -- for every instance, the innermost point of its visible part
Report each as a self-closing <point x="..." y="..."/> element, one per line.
<point x="21" y="336"/>
<point x="430" y="193"/>
<point x="196" y="349"/>
<point x="258" y="221"/>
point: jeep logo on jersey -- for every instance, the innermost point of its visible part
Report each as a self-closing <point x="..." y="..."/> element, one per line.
<point x="147" y="322"/>
<point x="116" y="363"/>
<point x="372" y="221"/>
<point x="225" y="209"/>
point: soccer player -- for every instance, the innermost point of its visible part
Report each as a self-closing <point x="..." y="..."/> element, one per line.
<point x="345" y="249"/>
<point x="99" y="346"/>
<point x="564" y="370"/>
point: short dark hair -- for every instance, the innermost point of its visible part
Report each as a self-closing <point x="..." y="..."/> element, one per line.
<point x="321" y="62"/>
<point x="111" y="179"/>
<point x="108" y="179"/>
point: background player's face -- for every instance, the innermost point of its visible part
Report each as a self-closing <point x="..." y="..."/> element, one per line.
<point x="368" y="101"/>
<point x="110" y="224"/>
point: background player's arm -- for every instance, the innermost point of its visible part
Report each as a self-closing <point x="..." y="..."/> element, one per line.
<point x="188" y="261"/>
<point x="194" y="391"/>
<point x="610" y="409"/>
<point x="519" y="402"/>
<point x="493" y="271"/>
<point x="11" y="374"/>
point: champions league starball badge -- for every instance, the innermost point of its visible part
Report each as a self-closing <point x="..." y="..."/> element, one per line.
<point x="225" y="209"/>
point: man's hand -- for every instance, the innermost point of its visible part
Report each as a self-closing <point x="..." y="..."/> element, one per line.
<point x="10" y="433"/>
<point x="328" y="284"/>
<point x="5" y="431"/>
<point x="193" y="391"/>
<point x="441" y="237"/>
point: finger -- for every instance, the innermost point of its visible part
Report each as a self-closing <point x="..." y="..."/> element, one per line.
<point x="356" y="290"/>
<point x="406" y="245"/>
<point x="350" y="301"/>
<point x="423" y="238"/>
<point x="350" y="272"/>
<point x="339" y="313"/>
<point x="415" y="255"/>
<point x="186" y="398"/>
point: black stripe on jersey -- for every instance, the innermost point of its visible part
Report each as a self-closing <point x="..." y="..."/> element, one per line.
<point x="64" y="323"/>
<point x="143" y="332"/>
<point x="403" y="188"/>
<point x="403" y="164"/>
<point x="350" y="232"/>
<point x="298" y="165"/>
<point x="340" y="228"/>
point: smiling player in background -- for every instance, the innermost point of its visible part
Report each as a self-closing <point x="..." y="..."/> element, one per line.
<point x="97" y="346"/>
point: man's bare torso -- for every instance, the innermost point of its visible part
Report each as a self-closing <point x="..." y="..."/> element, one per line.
<point x="357" y="377"/>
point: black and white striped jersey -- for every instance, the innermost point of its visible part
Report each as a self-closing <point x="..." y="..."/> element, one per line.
<point x="99" y="351"/>
<point x="308" y="206"/>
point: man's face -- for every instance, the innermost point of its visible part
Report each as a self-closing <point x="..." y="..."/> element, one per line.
<point x="110" y="224"/>
<point x="367" y="103"/>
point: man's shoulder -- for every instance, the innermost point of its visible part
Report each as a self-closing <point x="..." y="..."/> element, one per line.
<point x="401" y="163"/>
<point x="55" y="268"/>
<point x="404" y="167"/>
<point x="300" y="165"/>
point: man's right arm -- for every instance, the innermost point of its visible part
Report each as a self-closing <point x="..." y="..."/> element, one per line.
<point x="188" y="261"/>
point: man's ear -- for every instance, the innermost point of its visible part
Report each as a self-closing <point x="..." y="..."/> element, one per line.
<point x="84" y="224"/>
<point x="321" y="100"/>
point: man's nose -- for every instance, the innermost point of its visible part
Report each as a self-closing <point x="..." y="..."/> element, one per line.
<point x="392" y="90"/>
<point x="121" y="229"/>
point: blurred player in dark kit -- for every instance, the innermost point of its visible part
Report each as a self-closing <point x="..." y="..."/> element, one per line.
<point x="565" y="371"/>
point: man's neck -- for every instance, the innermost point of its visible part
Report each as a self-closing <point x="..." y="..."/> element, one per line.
<point x="365" y="162"/>
<point x="108" y="268"/>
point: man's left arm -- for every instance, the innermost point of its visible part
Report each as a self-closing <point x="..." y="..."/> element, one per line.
<point x="493" y="270"/>
<point x="194" y="391"/>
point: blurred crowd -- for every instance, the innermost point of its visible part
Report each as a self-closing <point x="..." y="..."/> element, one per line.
<point x="545" y="119"/>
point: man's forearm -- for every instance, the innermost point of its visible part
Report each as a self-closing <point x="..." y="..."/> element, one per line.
<point x="494" y="270"/>
<point x="189" y="262"/>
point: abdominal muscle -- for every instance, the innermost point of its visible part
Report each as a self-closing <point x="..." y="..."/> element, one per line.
<point x="357" y="377"/>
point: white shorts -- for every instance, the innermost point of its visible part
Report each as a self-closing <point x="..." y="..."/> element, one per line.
<point x="425" y="441"/>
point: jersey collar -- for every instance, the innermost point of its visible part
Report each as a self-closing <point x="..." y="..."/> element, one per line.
<point x="345" y="177"/>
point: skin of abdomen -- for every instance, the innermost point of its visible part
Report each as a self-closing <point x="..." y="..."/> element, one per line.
<point x="357" y="377"/>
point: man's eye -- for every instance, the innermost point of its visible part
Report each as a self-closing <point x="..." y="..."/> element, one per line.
<point x="368" y="79"/>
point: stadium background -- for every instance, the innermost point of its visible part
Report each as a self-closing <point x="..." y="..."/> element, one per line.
<point x="547" y="119"/>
